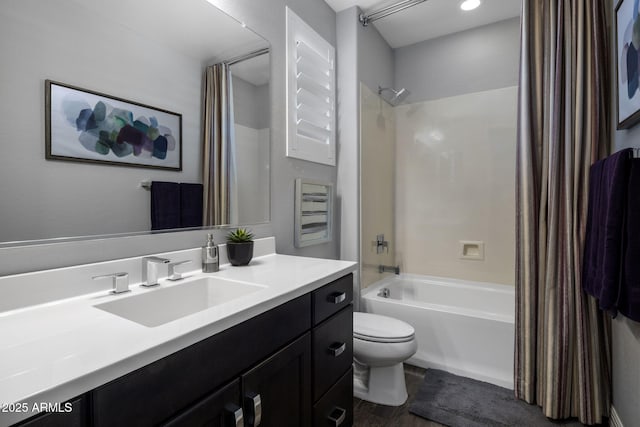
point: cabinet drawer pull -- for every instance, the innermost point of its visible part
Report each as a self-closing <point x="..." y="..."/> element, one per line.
<point x="253" y="404"/>
<point x="234" y="416"/>
<point x="337" y="416"/>
<point x="336" y="349"/>
<point x="337" y="297"/>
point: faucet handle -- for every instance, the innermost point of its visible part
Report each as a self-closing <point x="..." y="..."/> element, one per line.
<point x="120" y="281"/>
<point x="173" y="275"/>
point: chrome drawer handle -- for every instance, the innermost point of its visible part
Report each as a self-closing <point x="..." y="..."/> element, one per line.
<point x="336" y="349"/>
<point x="254" y="409"/>
<point x="337" y="297"/>
<point x="235" y="415"/>
<point x="337" y="416"/>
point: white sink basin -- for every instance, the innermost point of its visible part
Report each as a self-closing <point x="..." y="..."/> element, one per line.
<point x="162" y="305"/>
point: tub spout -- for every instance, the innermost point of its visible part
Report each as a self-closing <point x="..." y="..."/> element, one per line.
<point x="389" y="269"/>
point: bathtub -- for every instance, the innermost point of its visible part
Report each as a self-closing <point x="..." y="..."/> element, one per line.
<point x="466" y="328"/>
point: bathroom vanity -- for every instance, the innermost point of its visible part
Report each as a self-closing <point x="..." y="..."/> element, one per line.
<point x="276" y="357"/>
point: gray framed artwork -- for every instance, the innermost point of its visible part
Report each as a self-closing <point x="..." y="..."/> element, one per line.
<point x="627" y="23"/>
<point x="87" y="126"/>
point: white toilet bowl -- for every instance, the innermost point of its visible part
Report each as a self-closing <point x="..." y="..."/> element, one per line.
<point x="380" y="345"/>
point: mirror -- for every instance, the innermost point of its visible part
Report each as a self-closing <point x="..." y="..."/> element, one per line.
<point x="251" y="100"/>
<point x="153" y="52"/>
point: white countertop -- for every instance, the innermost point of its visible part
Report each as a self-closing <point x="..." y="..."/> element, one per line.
<point x="55" y="351"/>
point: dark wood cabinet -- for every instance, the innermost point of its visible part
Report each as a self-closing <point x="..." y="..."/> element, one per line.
<point x="332" y="298"/>
<point x="289" y="366"/>
<point x="70" y="414"/>
<point x="332" y="350"/>
<point x="156" y="392"/>
<point x="336" y="406"/>
<point x="277" y="391"/>
<point x="219" y="409"/>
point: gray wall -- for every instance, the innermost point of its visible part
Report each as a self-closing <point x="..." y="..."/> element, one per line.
<point x="475" y="60"/>
<point x="267" y="17"/>
<point x="51" y="199"/>
<point x="251" y="104"/>
<point x="625" y="333"/>
<point x="375" y="58"/>
<point x="348" y="128"/>
<point x="263" y="106"/>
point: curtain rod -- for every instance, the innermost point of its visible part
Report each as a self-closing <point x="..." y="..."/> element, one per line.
<point x="386" y="11"/>
<point x="247" y="56"/>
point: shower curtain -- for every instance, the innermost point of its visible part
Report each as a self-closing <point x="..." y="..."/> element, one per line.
<point x="563" y="355"/>
<point x="219" y="168"/>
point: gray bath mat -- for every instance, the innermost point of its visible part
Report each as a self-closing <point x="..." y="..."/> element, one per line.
<point x="462" y="402"/>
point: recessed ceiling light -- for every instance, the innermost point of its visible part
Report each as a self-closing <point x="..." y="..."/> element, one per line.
<point x="469" y="4"/>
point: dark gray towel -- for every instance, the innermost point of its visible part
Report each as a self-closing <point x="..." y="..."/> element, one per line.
<point x="629" y="300"/>
<point x="165" y="205"/>
<point x="591" y="256"/>
<point x="602" y="272"/>
<point x="191" y="205"/>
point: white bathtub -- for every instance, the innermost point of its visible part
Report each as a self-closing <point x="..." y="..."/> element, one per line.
<point x="466" y="328"/>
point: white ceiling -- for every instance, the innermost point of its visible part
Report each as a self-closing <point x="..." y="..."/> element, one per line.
<point x="162" y="22"/>
<point x="431" y="19"/>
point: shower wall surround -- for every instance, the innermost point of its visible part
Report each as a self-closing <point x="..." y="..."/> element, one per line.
<point x="455" y="171"/>
<point x="377" y="136"/>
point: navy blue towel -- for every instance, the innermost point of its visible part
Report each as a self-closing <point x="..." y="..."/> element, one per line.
<point x="191" y="205"/>
<point x="165" y="205"/>
<point x="605" y="238"/>
<point x="629" y="301"/>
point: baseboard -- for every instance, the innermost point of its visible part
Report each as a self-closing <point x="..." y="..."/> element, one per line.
<point x="614" y="418"/>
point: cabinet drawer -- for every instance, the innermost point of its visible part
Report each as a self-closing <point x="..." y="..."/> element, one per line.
<point x="336" y="407"/>
<point x="332" y="298"/>
<point x="216" y="410"/>
<point x="332" y="350"/>
<point x="75" y="417"/>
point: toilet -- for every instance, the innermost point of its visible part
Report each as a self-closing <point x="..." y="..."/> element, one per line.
<point x="380" y="345"/>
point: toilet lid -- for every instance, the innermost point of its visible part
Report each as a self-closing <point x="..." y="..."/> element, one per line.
<point x="374" y="327"/>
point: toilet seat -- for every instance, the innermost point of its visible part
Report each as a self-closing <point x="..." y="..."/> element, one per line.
<point x="382" y="329"/>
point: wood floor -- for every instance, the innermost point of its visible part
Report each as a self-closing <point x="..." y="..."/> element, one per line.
<point x="368" y="414"/>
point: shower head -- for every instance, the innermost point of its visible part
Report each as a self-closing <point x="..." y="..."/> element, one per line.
<point x="398" y="95"/>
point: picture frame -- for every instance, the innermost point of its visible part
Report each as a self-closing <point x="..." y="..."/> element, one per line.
<point x="83" y="125"/>
<point x="627" y="66"/>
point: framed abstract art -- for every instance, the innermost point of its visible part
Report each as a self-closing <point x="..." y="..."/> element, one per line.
<point x="628" y="63"/>
<point x="87" y="126"/>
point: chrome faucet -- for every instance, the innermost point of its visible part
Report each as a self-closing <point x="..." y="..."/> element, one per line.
<point x="150" y="270"/>
<point x="389" y="269"/>
<point x="120" y="282"/>
<point x="172" y="273"/>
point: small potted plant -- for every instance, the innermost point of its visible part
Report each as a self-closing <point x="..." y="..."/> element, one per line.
<point x="240" y="246"/>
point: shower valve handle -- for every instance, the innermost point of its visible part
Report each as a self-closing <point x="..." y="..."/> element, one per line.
<point x="381" y="244"/>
